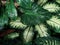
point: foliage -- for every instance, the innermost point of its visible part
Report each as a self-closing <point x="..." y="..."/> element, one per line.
<point x="31" y="20"/>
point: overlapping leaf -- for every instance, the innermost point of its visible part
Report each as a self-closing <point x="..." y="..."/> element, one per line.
<point x="11" y="10"/>
<point x="32" y="13"/>
<point x="55" y="23"/>
<point x="52" y="7"/>
<point x="3" y="17"/>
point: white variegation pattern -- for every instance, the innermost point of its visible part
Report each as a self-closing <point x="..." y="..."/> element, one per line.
<point x="54" y="22"/>
<point x="51" y="7"/>
<point x="42" y="30"/>
<point x="28" y="34"/>
<point x="13" y="35"/>
<point x="41" y="2"/>
<point x="17" y="24"/>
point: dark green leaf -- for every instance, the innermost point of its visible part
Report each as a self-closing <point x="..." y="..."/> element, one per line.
<point x="11" y="10"/>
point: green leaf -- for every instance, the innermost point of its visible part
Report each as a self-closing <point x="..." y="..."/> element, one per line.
<point x="3" y="17"/>
<point x="11" y="10"/>
<point x="41" y="2"/>
<point x="25" y="3"/>
<point x="35" y="15"/>
<point x="42" y="30"/>
<point x="47" y="41"/>
<point x="55" y="23"/>
<point x="58" y="1"/>
<point x="12" y="35"/>
<point x="52" y="7"/>
<point x="17" y="24"/>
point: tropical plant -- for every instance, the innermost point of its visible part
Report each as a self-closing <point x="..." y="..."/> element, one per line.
<point x="35" y="22"/>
